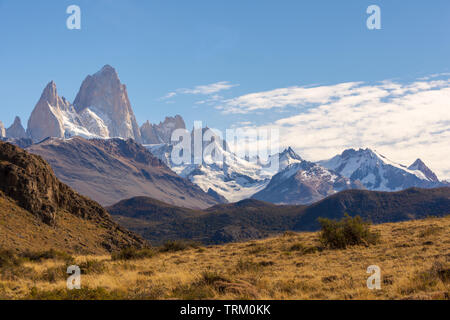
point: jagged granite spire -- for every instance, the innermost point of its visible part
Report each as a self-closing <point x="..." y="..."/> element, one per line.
<point x="46" y="119"/>
<point x="107" y="97"/>
<point x="16" y="130"/>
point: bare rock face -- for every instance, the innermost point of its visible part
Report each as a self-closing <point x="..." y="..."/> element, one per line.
<point x="162" y="132"/>
<point x="46" y="120"/>
<point x="166" y="128"/>
<point x="148" y="134"/>
<point x="2" y="130"/>
<point x="104" y="95"/>
<point x="16" y="130"/>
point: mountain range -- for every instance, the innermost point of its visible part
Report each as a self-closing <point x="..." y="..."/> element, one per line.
<point x="377" y="172"/>
<point x="102" y="111"/>
<point x="109" y="170"/>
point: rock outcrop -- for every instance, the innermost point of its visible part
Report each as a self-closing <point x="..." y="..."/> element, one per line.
<point x="16" y="130"/>
<point x="162" y="132"/>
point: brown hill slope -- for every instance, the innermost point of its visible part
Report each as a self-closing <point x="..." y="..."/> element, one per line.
<point x="112" y="170"/>
<point x="39" y="211"/>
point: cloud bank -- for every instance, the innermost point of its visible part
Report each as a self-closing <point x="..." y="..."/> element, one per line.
<point x="403" y="121"/>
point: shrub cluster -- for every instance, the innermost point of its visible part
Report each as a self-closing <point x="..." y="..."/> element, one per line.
<point x="174" y="246"/>
<point x="347" y="232"/>
<point x="8" y="259"/>
<point x="137" y="254"/>
<point x="47" y="255"/>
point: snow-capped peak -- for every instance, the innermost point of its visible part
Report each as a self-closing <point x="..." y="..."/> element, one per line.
<point x="375" y="171"/>
<point x="419" y="165"/>
<point x="288" y="157"/>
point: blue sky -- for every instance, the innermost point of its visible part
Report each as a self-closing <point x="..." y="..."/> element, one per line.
<point x="163" y="47"/>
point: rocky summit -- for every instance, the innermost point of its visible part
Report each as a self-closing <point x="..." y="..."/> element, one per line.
<point x="104" y="95"/>
<point x="16" y="130"/>
<point x="162" y="132"/>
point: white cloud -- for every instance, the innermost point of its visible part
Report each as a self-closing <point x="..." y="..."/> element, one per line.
<point x="169" y="95"/>
<point x="402" y="121"/>
<point x="208" y="89"/>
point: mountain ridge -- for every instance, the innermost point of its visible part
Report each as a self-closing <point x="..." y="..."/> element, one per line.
<point x="253" y="219"/>
<point x="109" y="170"/>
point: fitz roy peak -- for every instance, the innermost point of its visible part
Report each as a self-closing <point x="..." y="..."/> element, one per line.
<point x="103" y="95"/>
<point x="101" y="110"/>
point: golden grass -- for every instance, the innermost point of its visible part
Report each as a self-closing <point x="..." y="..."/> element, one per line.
<point x="413" y="256"/>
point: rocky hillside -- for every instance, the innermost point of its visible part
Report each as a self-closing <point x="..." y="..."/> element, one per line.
<point x="31" y="194"/>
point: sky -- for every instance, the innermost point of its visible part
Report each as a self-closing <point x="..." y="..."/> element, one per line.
<point x="311" y="69"/>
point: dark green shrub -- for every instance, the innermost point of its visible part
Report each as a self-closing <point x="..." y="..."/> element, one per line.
<point x="47" y="255"/>
<point x="55" y="274"/>
<point x="8" y="259"/>
<point x="211" y="278"/>
<point x="299" y="247"/>
<point x="11" y="267"/>
<point x="133" y="254"/>
<point x="347" y="232"/>
<point x="174" y="246"/>
<point x="92" y="267"/>
<point x="247" y="265"/>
